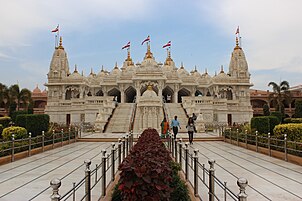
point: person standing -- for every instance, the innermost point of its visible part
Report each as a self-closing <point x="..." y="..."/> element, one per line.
<point x="191" y="129"/>
<point x="164" y="128"/>
<point x="174" y="125"/>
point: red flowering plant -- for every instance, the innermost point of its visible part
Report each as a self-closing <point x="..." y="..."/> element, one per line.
<point x="146" y="172"/>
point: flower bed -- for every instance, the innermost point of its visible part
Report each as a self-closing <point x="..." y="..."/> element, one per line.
<point x="148" y="172"/>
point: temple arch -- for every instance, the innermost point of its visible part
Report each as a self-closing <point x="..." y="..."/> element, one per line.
<point x="168" y="94"/>
<point x="130" y="94"/>
<point x="116" y="93"/>
<point x="198" y="93"/>
<point x="183" y="92"/>
<point x="99" y="93"/>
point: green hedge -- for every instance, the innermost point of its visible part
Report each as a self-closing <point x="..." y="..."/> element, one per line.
<point x="293" y="131"/>
<point x="19" y="133"/>
<point x="34" y="123"/>
<point x="16" y="113"/>
<point x="277" y="114"/>
<point x="5" y="121"/>
<point x="264" y="124"/>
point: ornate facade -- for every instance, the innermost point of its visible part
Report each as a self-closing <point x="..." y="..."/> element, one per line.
<point x="75" y="98"/>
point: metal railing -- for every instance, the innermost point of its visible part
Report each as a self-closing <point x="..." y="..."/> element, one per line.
<point x="189" y="163"/>
<point x="264" y="141"/>
<point x="10" y="148"/>
<point x="97" y="179"/>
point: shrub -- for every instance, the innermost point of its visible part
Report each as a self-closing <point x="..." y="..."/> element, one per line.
<point x="264" y="124"/>
<point x="34" y="123"/>
<point x="298" y="108"/>
<point x="277" y="114"/>
<point x="145" y="172"/>
<point x="293" y="131"/>
<point x="1" y="129"/>
<point x="19" y="132"/>
<point x="17" y="113"/>
<point x="5" y="121"/>
<point x="293" y="120"/>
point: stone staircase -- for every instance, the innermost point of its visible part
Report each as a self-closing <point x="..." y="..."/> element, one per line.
<point x="175" y="109"/>
<point x="119" y="122"/>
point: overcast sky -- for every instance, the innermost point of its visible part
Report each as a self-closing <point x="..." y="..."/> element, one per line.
<point x="202" y="34"/>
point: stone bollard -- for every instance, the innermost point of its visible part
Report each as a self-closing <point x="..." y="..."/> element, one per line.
<point x="69" y="135"/>
<point x="62" y="136"/>
<point x="53" y="138"/>
<point x="13" y="148"/>
<point x="87" y="180"/>
<point x="112" y="161"/>
<point x="124" y="147"/>
<point x="43" y="140"/>
<point x="55" y="185"/>
<point x="237" y="132"/>
<point x="211" y="180"/>
<point x="285" y="147"/>
<point x="269" y="144"/>
<point x="256" y="141"/>
<point x="29" y="144"/>
<point x="242" y="183"/>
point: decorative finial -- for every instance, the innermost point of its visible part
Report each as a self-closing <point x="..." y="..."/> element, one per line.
<point x="221" y="69"/>
<point x="82" y="72"/>
<point x="195" y="69"/>
<point x="91" y="72"/>
<point x="129" y="60"/>
<point x="102" y="68"/>
<point x="115" y="65"/>
<point x="215" y="73"/>
<point x="237" y="44"/>
<point x="75" y="68"/>
<point x="181" y="65"/>
<point x="149" y="53"/>
<point x="206" y="71"/>
<point x="60" y="44"/>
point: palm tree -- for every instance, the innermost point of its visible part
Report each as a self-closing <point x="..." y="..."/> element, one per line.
<point x="280" y="94"/>
<point x="23" y="96"/>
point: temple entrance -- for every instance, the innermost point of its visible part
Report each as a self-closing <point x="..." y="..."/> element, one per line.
<point x="144" y="88"/>
<point x="168" y="94"/>
<point x="130" y="95"/>
<point x="183" y="92"/>
<point x="116" y="93"/>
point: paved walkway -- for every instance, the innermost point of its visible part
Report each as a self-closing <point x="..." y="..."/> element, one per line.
<point x="269" y="178"/>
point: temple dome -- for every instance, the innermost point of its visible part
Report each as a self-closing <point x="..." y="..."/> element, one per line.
<point x="37" y="90"/>
<point x="149" y="93"/>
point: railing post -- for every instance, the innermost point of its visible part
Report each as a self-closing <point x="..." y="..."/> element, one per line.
<point x="245" y="139"/>
<point x="55" y="185"/>
<point x="176" y="158"/>
<point x="237" y="132"/>
<point x="53" y="139"/>
<point x="124" y="146"/>
<point x="43" y="140"/>
<point x="29" y="144"/>
<point x="269" y="144"/>
<point x="169" y="141"/>
<point x="187" y="161"/>
<point x="87" y="180"/>
<point x="242" y="183"/>
<point x="13" y="148"/>
<point x="69" y="135"/>
<point x="112" y="161"/>
<point x="172" y="146"/>
<point x="195" y="172"/>
<point x="103" y="172"/>
<point x="62" y="134"/>
<point x="127" y="144"/>
<point x="256" y="141"/>
<point x="119" y="151"/>
<point x="180" y="153"/>
<point x="211" y="180"/>
<point x="285" y="147"/>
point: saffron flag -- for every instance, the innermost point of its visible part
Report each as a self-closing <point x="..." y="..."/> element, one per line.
<point x="147" y="39"/>
<point x="237" y="31"/>
<point x="167" y="45"/>
<point x="56" y="29"/>
<point x="126" y="46"/>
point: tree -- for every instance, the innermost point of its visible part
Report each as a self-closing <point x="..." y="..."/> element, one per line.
<point x="266" y="111"/>
<point x="298" y="109"/>
<point x="23" y="95"/>
<point x="4" y="96"/>
<point x="280" y="93"/>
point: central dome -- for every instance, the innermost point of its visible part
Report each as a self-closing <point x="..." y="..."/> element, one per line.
<point x="149" y="92"/>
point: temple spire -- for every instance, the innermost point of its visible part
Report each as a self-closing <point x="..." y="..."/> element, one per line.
<point x="221" y="69"/>
<point x="129" y="61"/>
<point x="61" y="44"/>
<point x="181" y="65"/>
<point x="75" y="68"/>
<point x="237" y="44"/>
<point x="168" y="59"/>
<point x="149" y="54"/>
